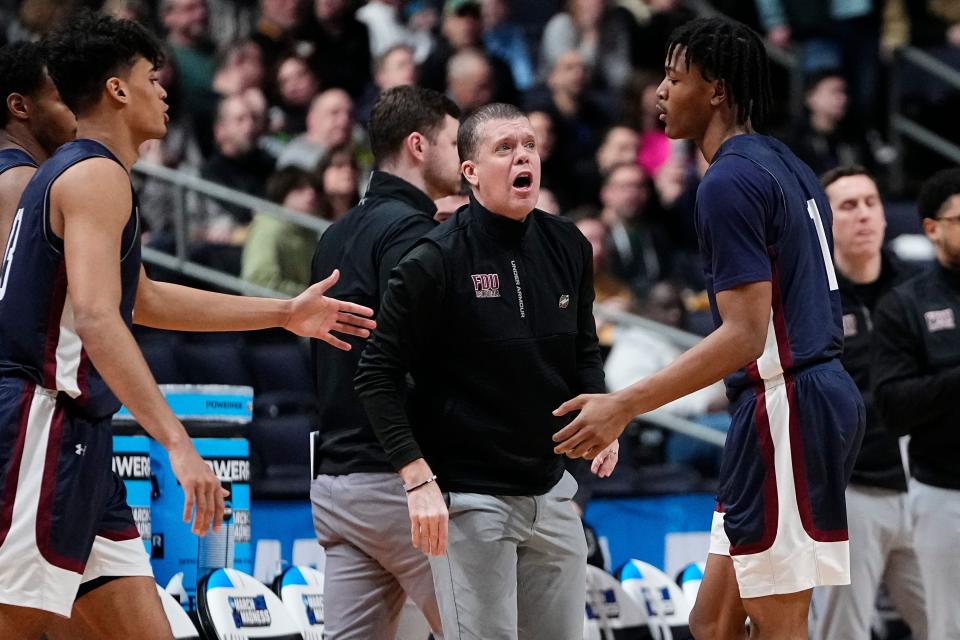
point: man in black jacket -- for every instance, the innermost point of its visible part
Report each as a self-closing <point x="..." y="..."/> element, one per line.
<point x="881" y="535"/>
<point x="916" y="377"/>
<point x="492" y="316"/>
<point x="359" y="507"/>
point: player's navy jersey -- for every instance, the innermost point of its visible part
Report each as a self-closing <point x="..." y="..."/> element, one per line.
<point x="761" y="215"/>
<point x="14" y="157"/>
<point x="39" y="339"/>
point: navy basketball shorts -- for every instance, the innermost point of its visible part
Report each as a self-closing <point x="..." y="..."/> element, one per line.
<point x="64" y="518"/>
<point x="781" y="511"/>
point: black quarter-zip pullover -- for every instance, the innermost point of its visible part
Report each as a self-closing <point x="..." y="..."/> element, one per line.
<point x="916" y="371"/>
<point x="879" y="463"/>
<point x="366" y="244"/>
<point x="493" y="319"/>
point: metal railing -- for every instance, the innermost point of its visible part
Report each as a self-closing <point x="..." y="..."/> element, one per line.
<point x="903" y="127"/>
<point x="184" y="183"/>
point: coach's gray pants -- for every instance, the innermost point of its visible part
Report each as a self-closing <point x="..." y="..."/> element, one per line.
<point x="881" y="551"/>
<point x="515" y="567"/>
<point x="363" y="524"/>
<point x="936" y="531"/>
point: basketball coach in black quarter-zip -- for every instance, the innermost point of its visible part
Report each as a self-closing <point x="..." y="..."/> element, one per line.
<point x="491" y="314"/>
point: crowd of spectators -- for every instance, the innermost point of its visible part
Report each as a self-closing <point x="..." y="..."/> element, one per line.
<point x="270" y="97"/>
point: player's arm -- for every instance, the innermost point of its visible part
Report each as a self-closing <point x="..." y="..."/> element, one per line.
<point x="733" y="203"/>
<point x="737" y="342"/>
<point x="406" y="315"/>
<point x="12" y="183"/>
<point x="163" y="305"/>
<point x="93" y="199"/>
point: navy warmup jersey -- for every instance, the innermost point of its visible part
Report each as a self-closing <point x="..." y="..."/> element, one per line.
<point x="14" y="157"/>
<point x="39" y="340"/>
<point x="761" y="215"/>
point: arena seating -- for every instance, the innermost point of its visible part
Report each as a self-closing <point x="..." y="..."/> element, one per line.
<point x="277" y="366"/>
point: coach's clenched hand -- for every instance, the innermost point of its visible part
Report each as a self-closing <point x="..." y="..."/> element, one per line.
<point x="428" y="511"/>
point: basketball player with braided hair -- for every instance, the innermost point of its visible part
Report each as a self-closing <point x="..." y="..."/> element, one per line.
<point x="765" y="232"/>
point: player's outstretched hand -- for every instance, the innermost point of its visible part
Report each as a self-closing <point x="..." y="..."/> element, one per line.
<point x="201" y="488"/>
<point x="606" y="461"/>
<point x="428" y="519"/>
<point x="602" y="419"/>
<point x="314" y="315"/>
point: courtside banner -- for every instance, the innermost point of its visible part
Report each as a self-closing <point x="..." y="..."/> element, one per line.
<point x="175" y="548"/>
<point x="204" y="403"/>
<point x="131" y="461"/>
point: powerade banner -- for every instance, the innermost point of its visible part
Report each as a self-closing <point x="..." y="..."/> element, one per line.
<point x="175" y="548"/>
<point x="131" y="461"/>
<point x="205" y="403"/>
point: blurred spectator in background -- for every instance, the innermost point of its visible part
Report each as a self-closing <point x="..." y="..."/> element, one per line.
<point x="650" y="39"/>
<point x="462" y="30"/>
<point x="36" y="18"/>
<point x="329" y="124"/>
<point x="341" y="46"/>
<point x="423" y="19"/>
<point x="555" y="175"/>
<point x="179" y="150"/>
<point x="186" y="23"/>
<point x="469" y="80"/>
<point x="274" y="29"/>
<point x="384" y="25"/>
<point x="934" y="23"/>
<point x="547" y="202"/>
<point x="135" y="10"/>
<point x="676" y="187"/>
<point x="395" y="67"/>
<point x="640" y="249"/>
<point x="620" y="146"/>
<point x="339" y="178"/>
<point x="448" y="206"/>
<point x="833" y="34"/>
<point x="640" y="112"/>
<point x="277" y="254"/>
<point x="236" y="163"/>
<point x="505" y="39"/>
<point x="638" y="353"/>
<point x="609" y="288"/>
<point x="241" y="67"/>
<point x="601" y="34"/>
<point x="297" y="86"/>
<point x="578" y="120"/>
<point x="822" y="138"/>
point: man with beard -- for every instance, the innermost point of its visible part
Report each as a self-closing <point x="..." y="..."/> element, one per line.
<point x="359" y="508"/>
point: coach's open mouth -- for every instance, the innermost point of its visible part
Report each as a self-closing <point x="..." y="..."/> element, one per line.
<point x="523" y="181"/>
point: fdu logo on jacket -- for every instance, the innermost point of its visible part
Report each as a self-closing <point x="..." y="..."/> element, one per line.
<point x="486" y="285"/>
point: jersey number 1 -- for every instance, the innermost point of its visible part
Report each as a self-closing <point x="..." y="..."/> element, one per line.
<point x="8" y="253"/>
<point x="814" y="212"/>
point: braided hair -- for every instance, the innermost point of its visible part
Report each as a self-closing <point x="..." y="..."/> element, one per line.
<point x="731" y="52"/>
